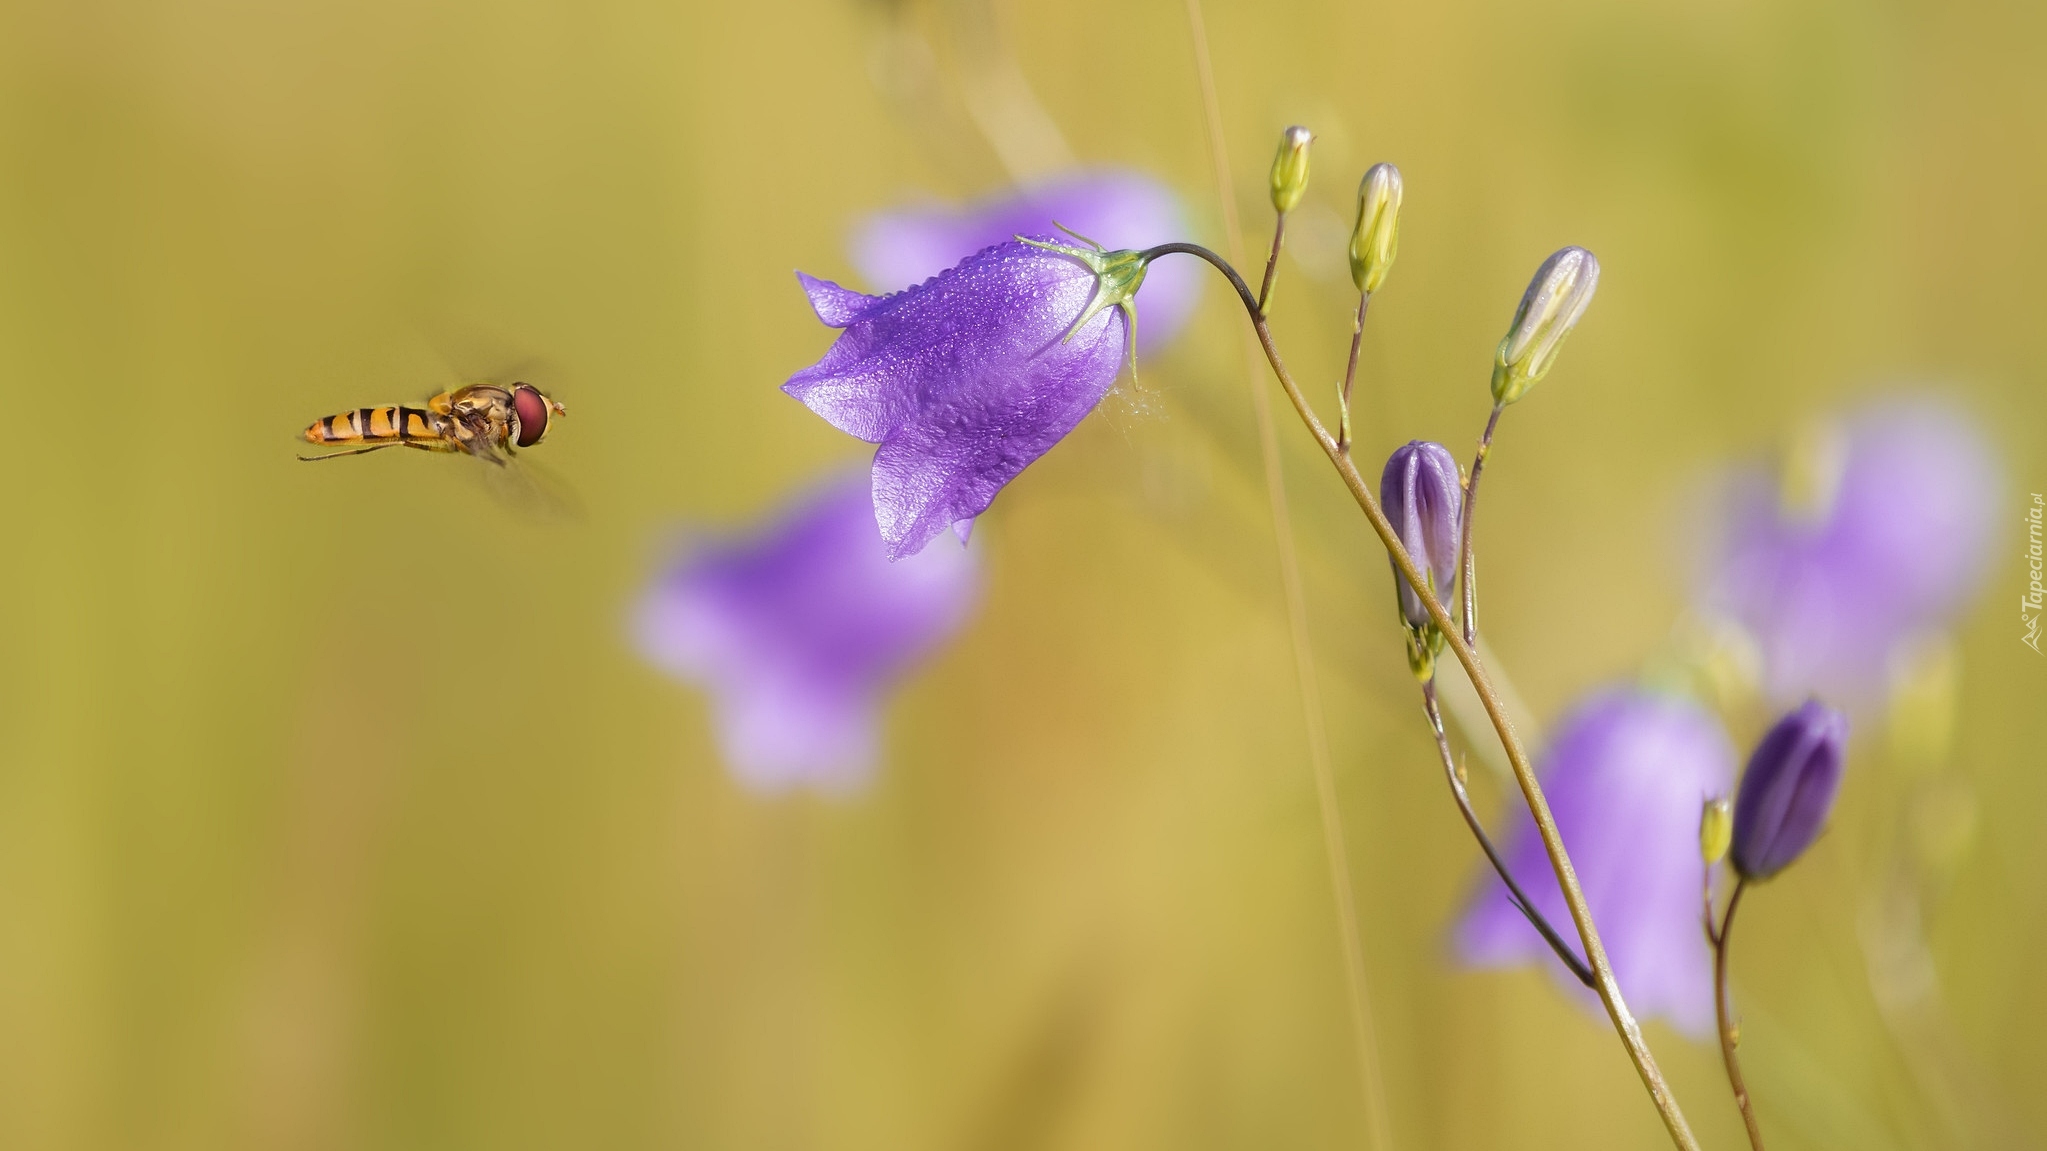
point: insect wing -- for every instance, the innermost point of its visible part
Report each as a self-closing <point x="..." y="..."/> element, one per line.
<point x="532" y="491"/>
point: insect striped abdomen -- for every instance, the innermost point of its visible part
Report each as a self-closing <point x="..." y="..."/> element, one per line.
<point x="390" y="424"/>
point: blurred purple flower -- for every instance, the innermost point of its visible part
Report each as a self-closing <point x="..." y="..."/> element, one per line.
<point x="799" y="630"/>
<point x="1119" y="208"/>
<point x="1626" y="775"/>
<point x="1892" y="539"/>
<point x="963" y="380"/>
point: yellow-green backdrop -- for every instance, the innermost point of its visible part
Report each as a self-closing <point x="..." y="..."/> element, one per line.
<point x="336" y="812"/>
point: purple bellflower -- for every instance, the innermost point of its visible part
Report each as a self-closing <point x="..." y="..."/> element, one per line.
<point x="1883" y="533"/>
<point x="902" y="247"/>
<point x="798" y="632"/>
<point x="1626" y="774"/>
<point x="968" y="377"/>
<point x="1788" y="790"/>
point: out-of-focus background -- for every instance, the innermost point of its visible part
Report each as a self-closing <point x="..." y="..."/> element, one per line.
<point x="336" y="811"/>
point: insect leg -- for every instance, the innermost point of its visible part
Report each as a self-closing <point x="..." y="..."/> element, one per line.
<point x="349" y="452"/>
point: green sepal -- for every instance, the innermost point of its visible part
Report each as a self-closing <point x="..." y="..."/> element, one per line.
<point x="1424" y="644"/>
<point x="1510" y="381"/>
<point x="1118" y="276"/>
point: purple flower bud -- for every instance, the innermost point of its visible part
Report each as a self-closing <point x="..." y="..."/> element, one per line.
<point x="965" y="379"/>
<point x="1423" y="494"/>
<point x="1788" y="790"/>
<point x="799" y="631"/>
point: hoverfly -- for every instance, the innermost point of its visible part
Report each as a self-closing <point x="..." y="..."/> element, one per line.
<point x="487" y="421"/>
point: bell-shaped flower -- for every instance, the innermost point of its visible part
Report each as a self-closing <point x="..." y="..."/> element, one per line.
<point x="1626" y="774"/>
<point x="798" y="630"/>
<point x="1878" y="529"/>
<point x="1423" y="494"/>
<point x="968" y="377"/>
<point x="1121" y="208"/>
<point x="1788" y="790"/>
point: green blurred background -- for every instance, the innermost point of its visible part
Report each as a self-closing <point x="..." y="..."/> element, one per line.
<point x="336" y="812"/>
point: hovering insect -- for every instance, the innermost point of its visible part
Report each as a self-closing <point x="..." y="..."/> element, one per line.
<point x="485" y="420"/>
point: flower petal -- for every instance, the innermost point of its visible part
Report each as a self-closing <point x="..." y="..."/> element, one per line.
<point x="1898" y="545"/>
<point x="799" y="631"/>
<point x="835" y="305"/>
<point x="948" y="463"/>
<point x="777" y="736"/>
<point x="1118" y="207"/>
<point x="1626" y="776"/>
<point x="906" y="351"/>
<point x="964" y="380"/>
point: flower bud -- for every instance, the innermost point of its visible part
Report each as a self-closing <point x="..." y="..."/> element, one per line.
<point x="1716" y="829"/>
<point x="1556" y="297"/>
<point x="1375" y="237"/>
<point x="1788" y="790"/>
<point x="1423" y="494"/>
<point x="1290" y="168"/>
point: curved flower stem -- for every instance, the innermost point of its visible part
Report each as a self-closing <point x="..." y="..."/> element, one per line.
<point x="1728" y="1039"/>
<point x="1350" y="370"/>
<point x="1467" y="560"/>
<point x="1514" y="893"/>
<point x="1272" y="261"/>
<point x="1524" y="773"/>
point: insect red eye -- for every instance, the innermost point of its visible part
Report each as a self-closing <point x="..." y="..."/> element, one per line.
<point x="532" y="409"/>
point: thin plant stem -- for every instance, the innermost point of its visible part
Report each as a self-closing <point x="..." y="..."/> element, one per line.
<point x="1728" y="1038"/>
<point x="1272" y="261"/>
<point x="1706" y="899"/>
<point x="1364" y="1037"/>
<point x="1609" y="990"/>
<point x="1467" y="559"/>
<point x="1350" y="370"/>
<point x="1514" y="893"/>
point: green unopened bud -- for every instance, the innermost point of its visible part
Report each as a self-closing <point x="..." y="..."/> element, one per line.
<point x="1290" y="168"/>
<point x="1556" y="297"/>
<point x="1376" y="236"/>
<point x="1716" y="829"/>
